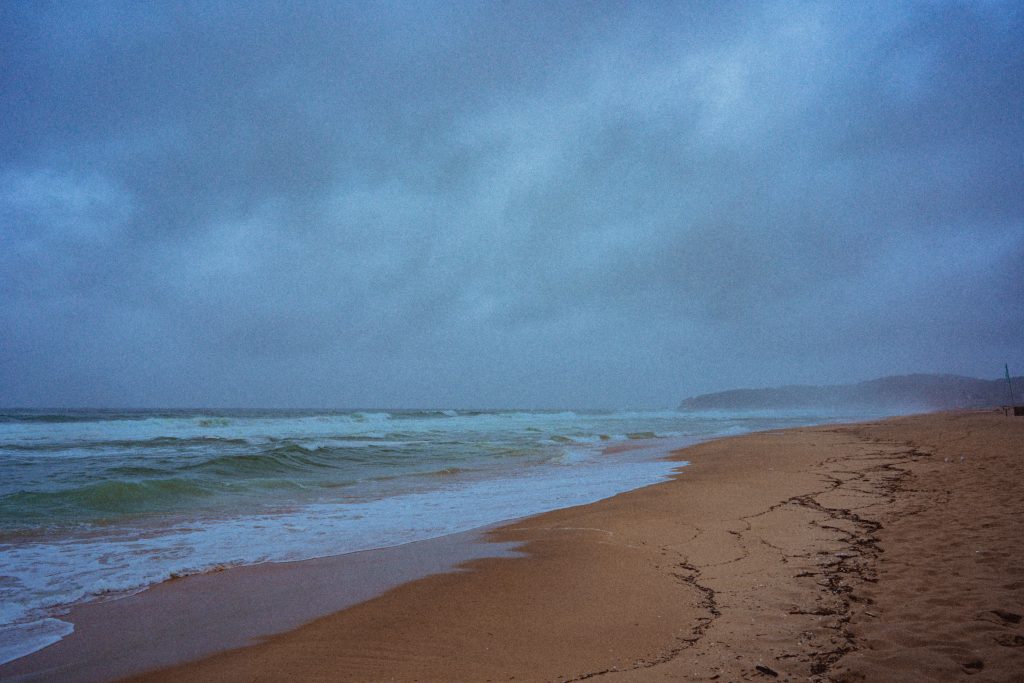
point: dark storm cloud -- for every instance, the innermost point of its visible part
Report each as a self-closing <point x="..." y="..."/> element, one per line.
<point x="483" y="204"/>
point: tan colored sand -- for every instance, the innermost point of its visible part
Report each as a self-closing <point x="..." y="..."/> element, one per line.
<point x="854" y="553"/>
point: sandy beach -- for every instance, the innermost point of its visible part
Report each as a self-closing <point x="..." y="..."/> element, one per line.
<point x="461" y="341"/>
<point x="883" y="551"/>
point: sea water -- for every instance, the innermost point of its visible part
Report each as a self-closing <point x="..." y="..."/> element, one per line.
<point x="100" y="504"/>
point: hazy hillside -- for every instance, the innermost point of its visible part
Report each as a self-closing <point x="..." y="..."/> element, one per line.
<point x="904" y="392"/>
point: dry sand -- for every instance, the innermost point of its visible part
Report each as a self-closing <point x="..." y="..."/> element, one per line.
<point x="886" y="551"/>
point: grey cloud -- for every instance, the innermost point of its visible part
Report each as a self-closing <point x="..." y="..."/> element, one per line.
<point x="493" y="205"/>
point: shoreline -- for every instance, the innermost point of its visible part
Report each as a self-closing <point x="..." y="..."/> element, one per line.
<point x="187" y="618"/>
<point x="794" y="552"/>
<point x="209" y="612"/>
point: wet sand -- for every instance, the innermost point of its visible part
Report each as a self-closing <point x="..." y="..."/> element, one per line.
<point x="884" y="551"/>
<point x="192" y="617"/>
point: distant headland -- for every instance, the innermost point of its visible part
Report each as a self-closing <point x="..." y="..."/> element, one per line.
<point x="903" y="393"/>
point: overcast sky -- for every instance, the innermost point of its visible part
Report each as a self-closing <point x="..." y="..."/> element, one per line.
<point x="486" y="204"/>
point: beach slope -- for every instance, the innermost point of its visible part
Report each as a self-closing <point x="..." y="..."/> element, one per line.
<point x="873" y="552"/>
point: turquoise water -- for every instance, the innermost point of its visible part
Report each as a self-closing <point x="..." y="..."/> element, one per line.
<point x="96" y="504"/>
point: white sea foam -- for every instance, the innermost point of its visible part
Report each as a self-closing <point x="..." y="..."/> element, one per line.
<point x="18" y="640"/>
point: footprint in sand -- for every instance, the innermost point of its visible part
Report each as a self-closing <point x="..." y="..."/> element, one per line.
<point x="973" y="666"/>
<point x="1009" y="640"/>
<point x="1008" y="617"/>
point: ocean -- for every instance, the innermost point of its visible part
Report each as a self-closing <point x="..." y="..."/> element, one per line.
<point x="99" y="504"/>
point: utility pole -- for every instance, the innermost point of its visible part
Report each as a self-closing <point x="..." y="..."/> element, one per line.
<point x="1009" y="389"/>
